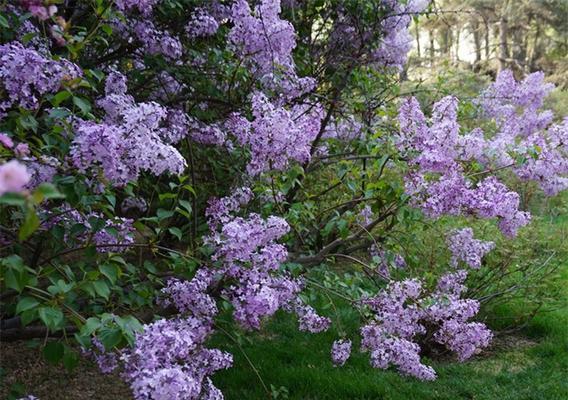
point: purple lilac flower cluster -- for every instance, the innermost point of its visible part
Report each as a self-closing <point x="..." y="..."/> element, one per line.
<point x="438" y="182"/>
<point x="201" y="24"/>
<point x="170" y="361"/>
<point x="107" y="361"/>
<point x="465" y="248"/>
<point x="452" y="313"/>
<point x="144" y="7"/>
<point x="340" y="352"/>
<point x="133" y="137"/>
<point x="396" y="40"/>
<point x="246" y="254"/>
<point x="27" y="75"/>
<point x="388" y="337"/>
<point x="250" y="256"/>
<point x="266" y="42"/>
<point x="523" y="128"/>
<point x="276" y="135"/>
<point x="401" y="313"/>
<point x="345" y="130"/>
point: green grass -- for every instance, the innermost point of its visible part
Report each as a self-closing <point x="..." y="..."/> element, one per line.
<point x="532" y="364"/>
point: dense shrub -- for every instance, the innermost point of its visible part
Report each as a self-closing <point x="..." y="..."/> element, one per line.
<point x="167" y="163"/>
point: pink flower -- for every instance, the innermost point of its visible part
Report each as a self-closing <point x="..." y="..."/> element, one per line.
<point x="13" y="177"/>
<point x="6" y="141"/>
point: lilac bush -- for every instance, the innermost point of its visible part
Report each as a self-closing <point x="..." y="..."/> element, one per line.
<point x="199" y="165"/>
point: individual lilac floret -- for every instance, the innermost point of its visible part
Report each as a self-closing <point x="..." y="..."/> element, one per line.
<point x="38" y="9"/>
<point x="467" y="249"/>
<point x="6" y="141"/>
<point x="340" y="351"/>
<point x="365" y="215"/>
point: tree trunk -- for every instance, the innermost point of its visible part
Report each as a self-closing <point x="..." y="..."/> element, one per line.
<point x="431" y="49"/>
<point x="535" y="49"/>
<point x="476" y="40"/>
<point x="503" y="32"/>
<point x="458" y="44"/>
<point x="417" y="33"/>
<point x="487" y="40"/>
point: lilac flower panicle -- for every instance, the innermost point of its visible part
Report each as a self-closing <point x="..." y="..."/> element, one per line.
<point x="144" y="7"/>
<point x="107" y="361"/>
<point x="437" y="182"/>
<point x="201" y="24"/>
<point x="133" y="137"/>
<point x="27" y="75"/>
<point x="465" y="248"/>
<point x="276" y="135"/>
<point x="340" y="352"/>
<point x="403" y="310"/>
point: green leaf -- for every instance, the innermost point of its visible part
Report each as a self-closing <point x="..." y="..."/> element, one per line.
<point x="58" y="113"/>
<point x="163" y="214"/>
<point x="83" y="104"/>
<point x="52" y="317"/>
<point x="176" y="232"/>
<point x="16" y="280"/>
<point x="60" y="97"/>
<point x="102" y="289"/>
<point x="53" y="352"/>
<point x="110" y="338"/>
<point x="28" y="122"/>
<point x="90" y="326"/>
<point x="164" y="196"/>
<point x="25" y="304"/>
<point x="107" y="29"/>
<point x="27" y="317"/>
<point x="185" y="204"/>
<point x="49" y="191"/>
<point x="111" y="271"/>
<point x="13" y="199"/>
<point x="30" y="225"/>
<point x="4" y="22"/>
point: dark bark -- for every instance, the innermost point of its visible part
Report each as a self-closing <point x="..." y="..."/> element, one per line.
<point x="503" y="45"/>
<point x="432" y="45"/>
<point x="476" y="40"/>
<point x="32" y="332"/>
